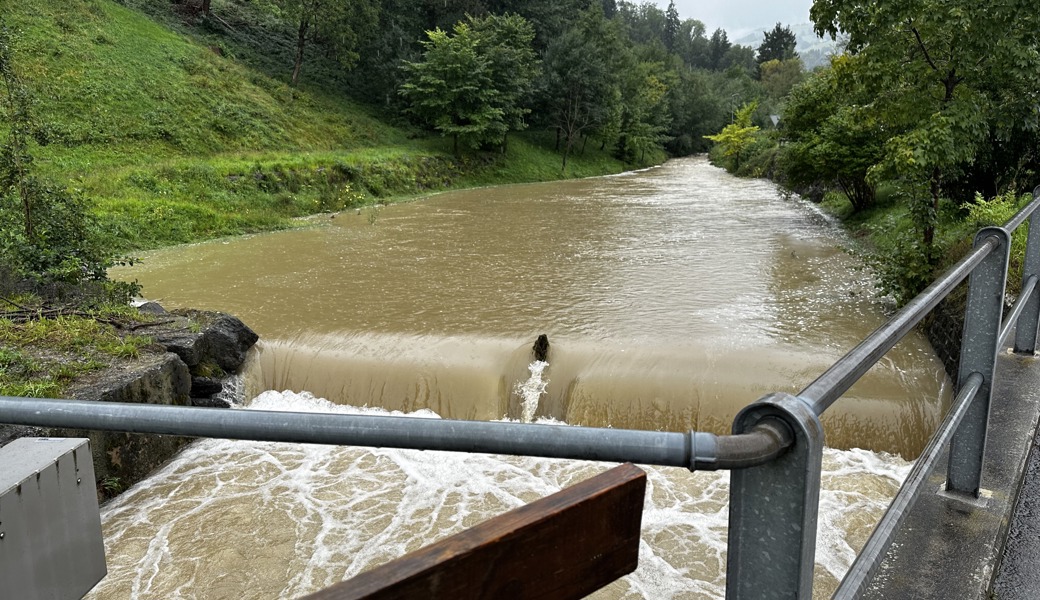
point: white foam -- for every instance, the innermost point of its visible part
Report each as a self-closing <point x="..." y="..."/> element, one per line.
<point x="283" y="520"/>
<point x="532" y="390"/>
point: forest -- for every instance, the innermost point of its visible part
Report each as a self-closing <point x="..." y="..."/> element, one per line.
<point x="632" y="77"/>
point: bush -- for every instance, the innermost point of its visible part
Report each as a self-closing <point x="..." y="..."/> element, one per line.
<point x="759" y="158"/>
<point x="995" y="212"/>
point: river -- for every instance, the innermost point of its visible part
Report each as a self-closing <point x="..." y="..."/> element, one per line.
<point x="671" y="297"/>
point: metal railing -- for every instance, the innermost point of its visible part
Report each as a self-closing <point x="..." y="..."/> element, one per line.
<point x="775" y="451"/>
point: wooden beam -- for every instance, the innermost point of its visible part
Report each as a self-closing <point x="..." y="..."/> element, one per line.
<point x="566" y="545"/>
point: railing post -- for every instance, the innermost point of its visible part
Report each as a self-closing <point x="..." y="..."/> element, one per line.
<point x="1026" y="329"/>
<point x="773" y="508"/>
<point x="982" y="321"/>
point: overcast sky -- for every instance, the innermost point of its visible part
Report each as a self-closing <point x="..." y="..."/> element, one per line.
<point x="737" y="16"/>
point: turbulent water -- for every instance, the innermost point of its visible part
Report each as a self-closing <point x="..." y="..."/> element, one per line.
<point x="671" y="298"/>
<point x="260" y="520"/>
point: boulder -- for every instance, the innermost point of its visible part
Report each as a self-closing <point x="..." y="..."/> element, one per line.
<point x="219" y="339"/>
<point x="204" y="387"/>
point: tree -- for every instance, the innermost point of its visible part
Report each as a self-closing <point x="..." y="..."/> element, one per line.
<point x="736" y="137"/>
<point x="644" y="114"/>
<point x="475" y="84"/>
<point x="452" y="88"/>
<point x="550" y="18"/>
<point x="691" y="45"/>
<point x="738" y="59"/>
<point x="505" y="41"/>
<point x="778" y="77"/>
<point x="395" y="38"/>
<point x="946" y="77"/>
<point x="831" y="137"/>
<point x="580" y="78"/>
<point x="778" y="44"/>
<point x="339" y="24"/>
<point x="718" y="46"/>
<point x="671" y="27"/>
<point x="443" y="14"/>
<point x="643" y="23"/>
<point x="696" y="111"/>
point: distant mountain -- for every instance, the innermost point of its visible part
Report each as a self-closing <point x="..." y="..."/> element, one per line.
<point x="813" y="50"/>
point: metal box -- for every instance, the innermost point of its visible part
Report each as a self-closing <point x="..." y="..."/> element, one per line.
<point x="50" y="527"/>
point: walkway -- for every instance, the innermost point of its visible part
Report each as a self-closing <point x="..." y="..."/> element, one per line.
<point x="951" y="547"/>
<point x="1018" y="575"/>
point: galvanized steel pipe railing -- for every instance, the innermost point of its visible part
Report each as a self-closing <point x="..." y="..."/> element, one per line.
<point x="692" y="450"/>
<point x="868" y="561"/>
<point x="834" y="382"/>
<point x="1024" y="297"/>
<point x="1025" y="334"/>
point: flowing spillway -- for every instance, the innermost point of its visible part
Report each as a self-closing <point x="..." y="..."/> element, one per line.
<point x="673" y="297"/>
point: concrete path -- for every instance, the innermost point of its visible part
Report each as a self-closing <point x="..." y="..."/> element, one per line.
<point x="951" y="547"/>
<point x="1018" y="576"/>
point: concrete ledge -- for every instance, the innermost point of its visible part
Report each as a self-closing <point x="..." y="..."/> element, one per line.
<point x="950" y="546"/>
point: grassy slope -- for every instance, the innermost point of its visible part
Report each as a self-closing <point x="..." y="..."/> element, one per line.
<point x="176" y="142"/>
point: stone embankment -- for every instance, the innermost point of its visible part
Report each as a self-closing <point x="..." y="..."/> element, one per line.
<point x="193" y="354"/>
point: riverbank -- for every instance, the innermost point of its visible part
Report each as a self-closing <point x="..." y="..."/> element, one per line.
<point x="175" y="141"/>
<point x="150" y="356"/>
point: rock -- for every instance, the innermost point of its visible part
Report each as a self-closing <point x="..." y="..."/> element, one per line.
<point x="221" y="340"/>
<point x="541" y="348"/>
<point x="226" y="342"/>
<point x="151" y="379"/>
<point x="204" y="387"/>
<point x="152" y="308"/>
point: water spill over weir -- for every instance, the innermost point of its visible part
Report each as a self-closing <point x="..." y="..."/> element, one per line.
<point x="672" y="297"/>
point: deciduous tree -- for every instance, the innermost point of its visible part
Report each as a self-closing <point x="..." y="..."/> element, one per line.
<point x="452" y="88"/>
<point x="831" y="136"/>
<point x="737" y="136"/>
<point x="506" y="43"/>
<point x="338" y="23"/>
<point x="947" y="76"/>
<point x="778" y="77"/>
<point x="580" y="77"/>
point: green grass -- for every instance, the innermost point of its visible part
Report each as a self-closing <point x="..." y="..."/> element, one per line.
<point x="883" y="230"/>
<point x="40" y="358"/>
<point x="175" y="142"/>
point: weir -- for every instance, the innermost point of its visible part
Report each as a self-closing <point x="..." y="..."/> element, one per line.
<point x="599" y="384"/>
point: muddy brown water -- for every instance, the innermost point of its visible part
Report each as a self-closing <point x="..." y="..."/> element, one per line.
<point x="671" y="298"/>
